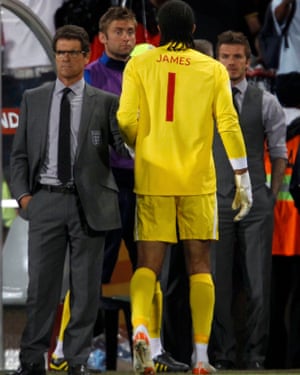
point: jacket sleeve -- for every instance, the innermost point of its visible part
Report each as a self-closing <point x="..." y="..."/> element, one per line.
<point x="19" y="164"/>
<point x="116" y="140"/>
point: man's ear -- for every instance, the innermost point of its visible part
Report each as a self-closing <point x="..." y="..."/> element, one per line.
<point x="248" y="63"/>
<point x="102" y="37"/>
<point x="87" y="57"/>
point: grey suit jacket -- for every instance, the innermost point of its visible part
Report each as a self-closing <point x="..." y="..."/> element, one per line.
<point x="95" y="183"/>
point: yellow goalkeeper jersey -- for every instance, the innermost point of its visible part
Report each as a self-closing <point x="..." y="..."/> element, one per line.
<point x="169" y="103"/>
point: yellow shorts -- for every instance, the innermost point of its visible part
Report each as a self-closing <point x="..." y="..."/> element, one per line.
<point x="157" y="216"/>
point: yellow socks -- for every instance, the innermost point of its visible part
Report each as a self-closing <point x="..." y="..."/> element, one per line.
<point x="156" y="312"/>
<point x="142" y="286"/>
<point x="202" y="299"/>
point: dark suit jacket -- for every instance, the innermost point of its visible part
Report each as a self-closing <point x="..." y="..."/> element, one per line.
<point x="95" y="183"/>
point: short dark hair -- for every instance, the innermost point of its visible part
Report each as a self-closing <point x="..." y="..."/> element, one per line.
<point x="72" y="32"/>
<point x="114" y="14"/>
<point x="233" y="37"/>
<point x="176" y="21"/>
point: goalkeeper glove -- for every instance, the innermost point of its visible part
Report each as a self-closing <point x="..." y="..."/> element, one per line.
<point x="243" y="195"/>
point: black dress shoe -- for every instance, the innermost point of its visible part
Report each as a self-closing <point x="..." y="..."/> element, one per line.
<point x="78" y="370"/>
<point x="30" y="369"/>
<point x="223" y="364"/>
<point x="255" y="365"/>
<point x="165" y="363"/>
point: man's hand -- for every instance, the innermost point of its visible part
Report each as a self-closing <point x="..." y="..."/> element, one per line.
<point x="243" y="195"/>
<point x="24" y="201"/>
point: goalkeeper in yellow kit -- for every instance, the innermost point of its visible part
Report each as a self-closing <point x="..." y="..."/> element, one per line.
<point x="171" y="98"/>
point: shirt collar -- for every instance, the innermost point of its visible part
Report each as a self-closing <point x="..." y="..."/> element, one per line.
<point x="77" y="88"/>
<point x="242" y="86"/>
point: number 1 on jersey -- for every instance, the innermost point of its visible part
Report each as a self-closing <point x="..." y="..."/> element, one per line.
<point x="170" y="97"/>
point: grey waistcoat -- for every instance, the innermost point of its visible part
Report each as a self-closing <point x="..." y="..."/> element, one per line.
<point x="253" y="131"/>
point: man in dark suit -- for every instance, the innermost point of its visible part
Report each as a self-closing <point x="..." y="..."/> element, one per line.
<point x="66" y="207"/>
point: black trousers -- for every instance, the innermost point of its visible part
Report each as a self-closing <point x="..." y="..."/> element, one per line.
<point x="177" y="321"/>
<point x="241" y="267"/>
<point x="284" y="348"/>
<point x="125" y="181"/>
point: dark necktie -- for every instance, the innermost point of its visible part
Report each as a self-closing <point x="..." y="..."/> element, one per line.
<point x="64" y="139"/>
<point x="235" y="91"/>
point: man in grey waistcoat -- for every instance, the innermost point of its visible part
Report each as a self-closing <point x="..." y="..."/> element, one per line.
<point x="241" y="259"/>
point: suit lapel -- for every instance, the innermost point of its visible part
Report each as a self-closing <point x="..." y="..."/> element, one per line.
<point x="44" y="107"/>
<point x="87" y="109"/>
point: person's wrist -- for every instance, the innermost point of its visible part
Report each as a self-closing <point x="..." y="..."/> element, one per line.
<point x="240" y="171"/>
